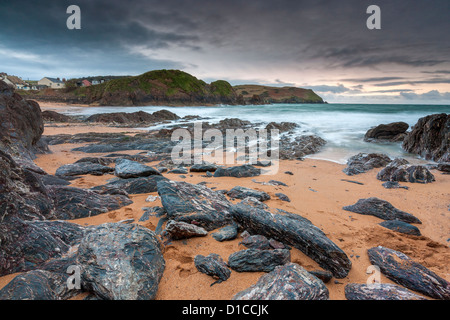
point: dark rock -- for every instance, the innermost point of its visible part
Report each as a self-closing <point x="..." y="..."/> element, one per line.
<point x="53" y="116"/>
<point x="430" y="138"/>
<point x="178" y="171"/>
<point x="194" y="204"/>
<point x="289" y="173"/>
<point x="352" y="181"/>
<point x="381" y="209"/>
<point x="134" y="118"/>
<point x="242" y="193"/>
<point x="391" y="132"/>
<point x="363" y="162"/>
<point x="203" y="167"/>
<point x="323" y="275"/>
<point x="283" y="197"/>
<point x="74" y="203"/>
<point x="226" y="233"/>
<point x="258" y="260"/>
<point x="393" y="185"/>
<point x="50" y="180"/>
<point x="277" y="183"/>
<point x="299" y="147"/>
<point x="105" y="161"/>
<point x="296" y="231"/>
<point x="250" y="201"/>
<point x="287" y="282"/>
<point x="401" y="269"/>
<point x="131" y="186"/>
<point x="256" y="242"/>
<point x="379" y="291"/>
<point x="401" y="227"/>
<point x="121" y="262"/>
<point x="238" y="171"/>
<point x="21" y="124"/>
<point x="82" y="168"/>
<point x="281" y="126"/>
<point x="177" y="230"/>
<point x="214" y="266"/>
<point x="131" y="169"/>
<point x="36" y="285"/>
<point x="399" y="170"/>
<point x="444" y="167"/>
<point x="230" y="123"/>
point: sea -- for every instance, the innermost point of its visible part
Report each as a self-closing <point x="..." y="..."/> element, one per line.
<point x="342" y="125"/>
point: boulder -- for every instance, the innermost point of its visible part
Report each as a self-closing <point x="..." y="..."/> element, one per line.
<point x="121" y="262"/>
<point x="194" y="204"/>
<point x="399" y="170"/>
<point x="296" y="231"/>
<point x="238" y="171"/>
<point x="131" y="169"/>
<point x="214" y="266"/>
<point x="402" y="227"/>
<point x="243" y="192"/>
<point x="300" y="146"/>
<point x="323" y="275"/>
<point x="287" y="282"/>
<point x="177" y="230"/>
<point x="379" y="291"/>
<point x="78" y="169"/>
<point x="282" y="126"/>
<point x="283" y="197"/>
<point x="381" y="209"/>
<point x="430" y="138"/>
<point x="391" y="132"/>
<point x="226" y="233"/>
<point x="401" y="269"/>
<point x="258" y="260"/>
<point x="363" y="162"/>
<point x="53" y="116"/>
<point x="203" y="167"/>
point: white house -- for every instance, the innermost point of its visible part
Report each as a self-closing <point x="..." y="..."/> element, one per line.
<point x="54" y="83"/>
<point x="13" y="81"/>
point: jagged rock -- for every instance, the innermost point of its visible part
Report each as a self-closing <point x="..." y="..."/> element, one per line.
<point x="36" y="285"/>
<point x="242" y="193"/>
<point x="53" y="116"/>
<point x="391" y="132"/>
<point x="401" y="227"/>
<point x="178" y="171"/>
<point x="50" y="180"/>
<point x="288" y="282"/>
<point x="27" y="245"/>
<point x="74" y="203"/>
<point x="281" y="126"/>
<point x="131" y="169"/>
<point x="299" y="147"/>
<point x="323" y="275"/>
<point x="121" y="262"/>
<point x="379" y="291"/>
<point x="399" y="170"/>
<point x="194" y="204"/>
<point x="131" y="186"/>
<point x="258" y="260"/>
<point x="296" y="231"/>
<point x="430" y="138"/>
<point x="283" y="197"/>
<point x="21" y="124"/>
<point x="255" y="242"/>
<point x="133" y="118"/>
<point x="381" y="209"/>
<point x="238" y="171"/>
<point x="82" y="168"/>
<point x="401" y="269"/>
<point x="230" y="123"/>
<point x="226" y="233"/>
<point x="363" y="162"/>
<point x="214" y="266"/>
<point x="177" y="230"/>
<point x="105" y="161"/>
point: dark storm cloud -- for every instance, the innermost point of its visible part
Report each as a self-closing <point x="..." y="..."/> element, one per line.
<point x="134" y="36"/>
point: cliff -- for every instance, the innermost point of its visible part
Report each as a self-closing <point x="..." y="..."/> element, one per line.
<point x="256" y="94"/>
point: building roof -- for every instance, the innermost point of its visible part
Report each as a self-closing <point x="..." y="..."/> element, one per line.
<point x="53" y="80"/>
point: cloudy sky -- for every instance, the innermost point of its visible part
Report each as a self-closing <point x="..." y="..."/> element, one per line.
<point x="319" y="44"/>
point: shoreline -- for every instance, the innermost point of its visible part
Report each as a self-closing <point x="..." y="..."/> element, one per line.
<point x="317" y="192"/>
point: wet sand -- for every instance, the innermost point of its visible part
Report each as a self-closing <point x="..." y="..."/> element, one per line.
<point x="316" y="191"/>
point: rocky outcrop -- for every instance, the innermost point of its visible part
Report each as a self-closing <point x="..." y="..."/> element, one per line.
<point x="399" y="170"/>
<point x="238" y="171"/>
<point x="195" y="204"/>
<point x="379" y="291"/>
<point x="401" y="269"/>
<point x="430" y="138"/>
<point x="21" y="124"/>
<point x="298" y="147"/>
<point x="131" y="169"/>
<point x="53" y="116"/>
<point x="395" y="132"/>
<point x="82" y="168"/>
<point x="381" y="209"/>
<point x="131" y="185"/>
<point x="133" y="118"/>
<point x="239" y="192"/>
<point x="297" y="232"/>
<point x="363" y="162"/>
<point x="288" y="282"/>
<point x="121" y="262"/>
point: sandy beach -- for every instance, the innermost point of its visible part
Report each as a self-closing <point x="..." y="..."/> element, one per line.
<point x="317" y="190"/>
